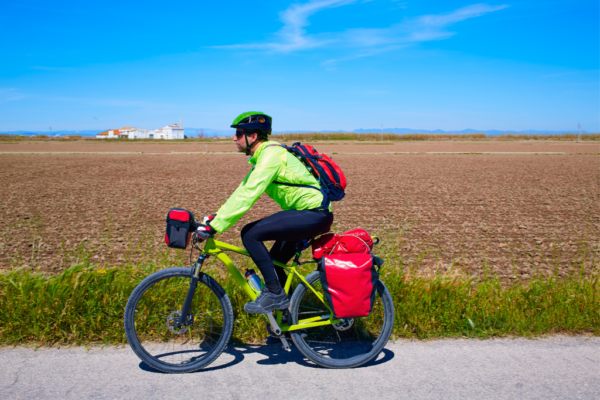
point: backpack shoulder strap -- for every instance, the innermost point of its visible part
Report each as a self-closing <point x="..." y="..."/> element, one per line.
<point x="324" y="204"/>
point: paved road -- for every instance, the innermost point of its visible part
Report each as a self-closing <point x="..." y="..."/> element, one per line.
<point x="554" y="368"/>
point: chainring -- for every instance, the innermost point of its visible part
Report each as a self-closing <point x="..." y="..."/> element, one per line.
<point x="270" y="331"/>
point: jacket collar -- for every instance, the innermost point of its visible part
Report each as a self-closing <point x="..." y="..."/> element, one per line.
<point x="252" y="160"/>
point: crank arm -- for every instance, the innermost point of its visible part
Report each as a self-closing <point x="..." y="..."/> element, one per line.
<point x="277" y="331"/>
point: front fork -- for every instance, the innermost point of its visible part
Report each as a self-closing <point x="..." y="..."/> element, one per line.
<point x="195" y="275"/>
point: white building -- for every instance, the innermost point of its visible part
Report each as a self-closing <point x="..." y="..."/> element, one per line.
<point x="135" y="133"/>
<point x="169" y="132"/>
<point x="122" y="133"/>
<point x="155" y="134"/>
<point x="172" y="132"/>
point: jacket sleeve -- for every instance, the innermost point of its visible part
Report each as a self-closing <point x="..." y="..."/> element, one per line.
<point x="252" y="187"/>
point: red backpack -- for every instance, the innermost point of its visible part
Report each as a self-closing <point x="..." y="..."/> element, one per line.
<point x="327" y="172"/>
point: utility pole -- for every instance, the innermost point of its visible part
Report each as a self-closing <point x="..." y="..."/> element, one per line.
<point x="579" y="129"/>
<point x="382" y="132"/>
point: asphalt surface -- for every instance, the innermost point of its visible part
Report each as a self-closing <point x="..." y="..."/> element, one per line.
<point x="552" y="368"/>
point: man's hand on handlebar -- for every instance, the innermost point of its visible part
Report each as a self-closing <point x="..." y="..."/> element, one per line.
<point x="208" y="220"/>
<point x="204" y="231"/>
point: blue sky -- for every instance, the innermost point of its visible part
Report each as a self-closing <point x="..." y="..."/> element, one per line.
<point x="314" y="65"/>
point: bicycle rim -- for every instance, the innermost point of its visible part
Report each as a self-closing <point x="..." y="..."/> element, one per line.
<point x="350" y="344"/>
<point x="172" y="349"/>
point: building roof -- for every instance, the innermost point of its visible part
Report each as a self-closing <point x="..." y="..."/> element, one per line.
<point x="115" y="132"/>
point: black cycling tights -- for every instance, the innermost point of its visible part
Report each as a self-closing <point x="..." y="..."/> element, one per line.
<point x="286" y="228"/>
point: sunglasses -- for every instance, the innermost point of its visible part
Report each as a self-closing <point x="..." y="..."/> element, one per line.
<point x="239" y="135"/>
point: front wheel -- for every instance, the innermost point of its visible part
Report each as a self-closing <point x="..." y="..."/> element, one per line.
<point x="154" y="307"/>
<point x="348" y="344"/>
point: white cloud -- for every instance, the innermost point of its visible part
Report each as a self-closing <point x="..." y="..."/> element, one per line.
<point x="113" y="102"/>
<point x="293" y="36"/>
<point x="443" y="20"/>
<point x="53" y="69"/>
<point x="421" y="29"/>
<point x="330" y="64"/>
<point x="559" y="74"/>
<point x="295" y="18"/>
<point x="11" y="94"/>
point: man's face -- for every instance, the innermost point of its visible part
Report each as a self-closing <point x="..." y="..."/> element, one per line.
<point x="240" y="142"/>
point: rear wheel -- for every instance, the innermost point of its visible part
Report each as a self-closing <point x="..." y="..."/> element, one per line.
<point x="348" y="344"/>
<point x="154" y="307"/>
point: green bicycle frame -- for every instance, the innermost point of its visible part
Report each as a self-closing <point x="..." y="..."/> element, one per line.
<point x="215" y="248"/>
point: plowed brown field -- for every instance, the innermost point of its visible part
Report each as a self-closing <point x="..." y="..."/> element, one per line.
<point x="325" y="147"/>
<point x="511" y="215"/>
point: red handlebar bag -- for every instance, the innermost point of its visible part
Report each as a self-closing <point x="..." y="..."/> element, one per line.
<point x="349" y="282"/>
<point x="180" y="225"/>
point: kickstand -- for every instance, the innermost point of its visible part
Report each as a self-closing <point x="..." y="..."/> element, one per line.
<point x="277" y="331"/>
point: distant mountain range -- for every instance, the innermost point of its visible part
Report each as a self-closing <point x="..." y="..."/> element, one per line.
<point x="402" y="131"/>
<point x="54" y="133"/>
<point x="208" y="132"/>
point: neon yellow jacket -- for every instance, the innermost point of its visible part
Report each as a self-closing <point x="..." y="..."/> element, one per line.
<point x="270" y="164"/>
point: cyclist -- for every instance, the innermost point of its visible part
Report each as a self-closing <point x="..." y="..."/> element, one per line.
<point x="278" y="173"/>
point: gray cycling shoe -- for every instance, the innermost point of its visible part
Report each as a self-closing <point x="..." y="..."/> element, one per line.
<point x="268" y="301"/>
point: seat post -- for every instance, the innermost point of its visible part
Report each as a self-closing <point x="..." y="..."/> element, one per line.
<point x="297" y="257"/>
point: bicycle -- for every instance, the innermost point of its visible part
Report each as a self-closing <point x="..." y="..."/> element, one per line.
<point x="180" y="320"/>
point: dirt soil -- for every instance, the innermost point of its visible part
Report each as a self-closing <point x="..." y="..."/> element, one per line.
<point x="326" y="147"/>
<point x="511" y="215"/>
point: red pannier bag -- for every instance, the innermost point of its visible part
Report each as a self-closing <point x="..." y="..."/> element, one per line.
<point x="354" y="241"/>
<point x="349" y="282"/>
<point x="180" y="225"/>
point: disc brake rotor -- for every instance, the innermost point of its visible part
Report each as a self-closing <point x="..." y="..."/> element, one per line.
<point x="344" y="325"/>
<point x="173" y="318"/>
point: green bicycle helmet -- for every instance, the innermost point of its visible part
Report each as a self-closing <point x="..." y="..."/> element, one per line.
<point x="254" y="122"/>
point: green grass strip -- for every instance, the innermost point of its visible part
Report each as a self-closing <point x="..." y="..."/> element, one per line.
<point x="83" y="306"/>
<point x="460" y="307"/>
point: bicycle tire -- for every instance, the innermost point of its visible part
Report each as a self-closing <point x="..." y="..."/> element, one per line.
<point x="147" y="334"/>
<point x="332" y="353"/>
